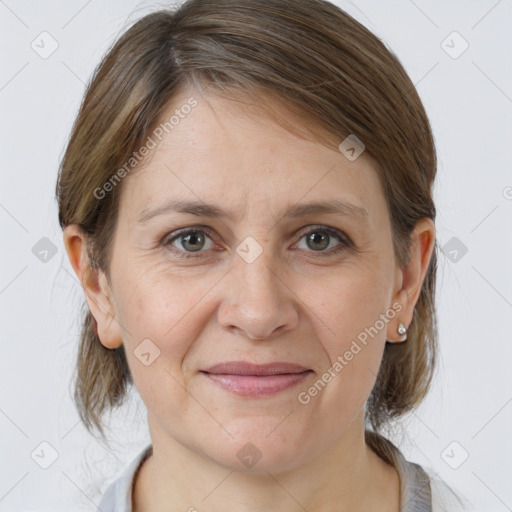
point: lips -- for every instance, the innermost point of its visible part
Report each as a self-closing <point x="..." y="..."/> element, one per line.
<point x="252" y="380"/>
<point x="243" y="368"/>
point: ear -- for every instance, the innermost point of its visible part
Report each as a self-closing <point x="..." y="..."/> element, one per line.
<point x="95" y="286"/>
<point x="409" y="280"/>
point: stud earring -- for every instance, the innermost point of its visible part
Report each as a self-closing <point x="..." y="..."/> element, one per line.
<point x="402" y="330"/>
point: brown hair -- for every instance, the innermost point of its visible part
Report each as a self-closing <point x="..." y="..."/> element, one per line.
<point x="324" y="66"/>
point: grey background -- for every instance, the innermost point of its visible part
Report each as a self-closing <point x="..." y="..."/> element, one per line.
<point x="468" y="98"/>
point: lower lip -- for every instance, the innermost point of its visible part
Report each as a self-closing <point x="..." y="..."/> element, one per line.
<point x="257" y="385"/>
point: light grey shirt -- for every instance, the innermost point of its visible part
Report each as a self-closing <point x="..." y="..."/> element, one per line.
<point x="418" y="491"/>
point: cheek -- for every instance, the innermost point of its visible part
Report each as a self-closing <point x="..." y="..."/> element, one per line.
<point x="164" y="309"/>
<point x="160" y="324"/>
<point x="147" y="311"/>
<point x="349" y="306"/>
<point x="355" y="329"/>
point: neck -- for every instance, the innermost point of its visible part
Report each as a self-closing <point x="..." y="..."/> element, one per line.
<point x="347" y="477"/>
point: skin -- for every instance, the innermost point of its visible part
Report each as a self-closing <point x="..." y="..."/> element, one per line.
<point x="292" y="303"/>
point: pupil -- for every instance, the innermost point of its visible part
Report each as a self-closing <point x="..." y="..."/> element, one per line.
<point x="194" y="238"/>
<point x="318" y="237"/>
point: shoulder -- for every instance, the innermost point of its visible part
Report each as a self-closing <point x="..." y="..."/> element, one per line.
<point x="446" y="498"/>
<point x="117" y="497"/>
<point x="421" y="489"/>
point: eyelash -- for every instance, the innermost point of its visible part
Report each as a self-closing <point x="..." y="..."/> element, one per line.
<point x="345" y="242"/>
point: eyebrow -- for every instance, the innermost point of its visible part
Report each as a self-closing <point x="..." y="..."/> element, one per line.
<point x="202" y="209"/>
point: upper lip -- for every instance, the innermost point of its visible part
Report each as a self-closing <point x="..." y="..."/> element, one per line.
<point x="245" y="368"/>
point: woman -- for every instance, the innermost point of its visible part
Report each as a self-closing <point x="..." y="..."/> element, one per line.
<point x="287" y="143"/>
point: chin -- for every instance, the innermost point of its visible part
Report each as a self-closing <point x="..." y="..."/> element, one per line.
<point x="258" y="446"/>
<point x="251" y="459"/>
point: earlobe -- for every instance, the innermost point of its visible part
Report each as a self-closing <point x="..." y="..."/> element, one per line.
<point x="95" y="286"/>
<point x="398" y="327"/>
<point x="412" y="278"/>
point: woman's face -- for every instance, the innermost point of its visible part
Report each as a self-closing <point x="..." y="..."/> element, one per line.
<point x="266" y="279"/>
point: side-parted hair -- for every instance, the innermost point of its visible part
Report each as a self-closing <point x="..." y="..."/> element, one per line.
<point x="326" y="68"/>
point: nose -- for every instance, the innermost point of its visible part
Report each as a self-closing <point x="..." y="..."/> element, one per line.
<point x="257" y="302"/>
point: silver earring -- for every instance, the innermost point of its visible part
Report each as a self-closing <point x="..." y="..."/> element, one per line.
<point x="401" y="329"/>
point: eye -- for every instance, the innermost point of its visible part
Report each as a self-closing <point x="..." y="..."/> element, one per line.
<point x="190" y="241"/>
<point x="320" y="239"/>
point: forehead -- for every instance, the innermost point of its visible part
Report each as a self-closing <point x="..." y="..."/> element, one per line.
<point x="229" y="153"/>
